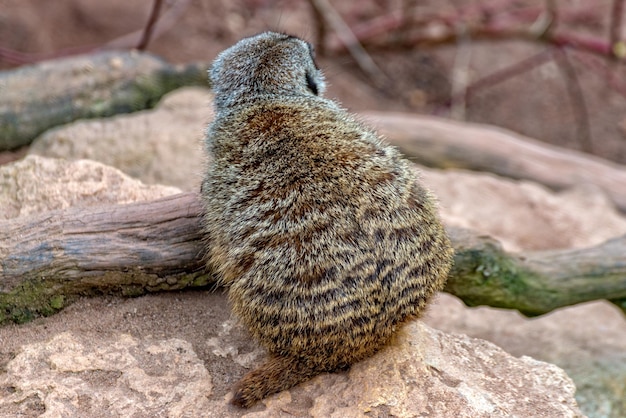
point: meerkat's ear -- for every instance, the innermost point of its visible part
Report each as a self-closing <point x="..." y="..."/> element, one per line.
<point x="314" y="78"/>
<point x="311" y="83"/>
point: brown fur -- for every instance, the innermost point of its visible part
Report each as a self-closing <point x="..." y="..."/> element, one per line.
<point x="320" y="229"/>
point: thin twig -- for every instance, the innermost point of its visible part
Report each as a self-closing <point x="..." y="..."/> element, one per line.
<point x="165" y="23"/>
<point x="407" y="13"/>
<point x="147" y="32"/>
<point x="322" y="30"/>
<point x="577" y="99"/>
<point x="585" y="16"/>
<point x="364" y="61"/>
<point x="496" y="29"/>
<point x="618" y="49"/>
<point x="20" y="58"/>
<point x="460" y="76"/>
<point x="498" y="13"/>
<point x="127" y="41"/>
<point x="599" y="67"/>
<point x="510" y="72"/>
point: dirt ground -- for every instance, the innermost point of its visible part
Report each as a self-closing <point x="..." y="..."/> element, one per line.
<point x="194" y="316"/>
<point x="540" y="103"/>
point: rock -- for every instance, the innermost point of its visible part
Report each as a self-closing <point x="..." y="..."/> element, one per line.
<point x="523" y="215"/>
<point x="97" y="375"/>
<point x="430" y="373"/>
<point x="160" y="146"/>
<point x="36" y="184"/>
<point x="588" y="341"/>
<point x="425" y="372"/>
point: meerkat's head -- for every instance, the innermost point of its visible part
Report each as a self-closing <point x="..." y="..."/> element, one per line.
<point x="266" y="64"/>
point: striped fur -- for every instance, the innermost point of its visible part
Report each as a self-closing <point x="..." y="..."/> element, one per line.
<point x="320" y="229"/>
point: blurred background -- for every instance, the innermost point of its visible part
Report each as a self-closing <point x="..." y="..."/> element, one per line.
<point x="551" y="70"/>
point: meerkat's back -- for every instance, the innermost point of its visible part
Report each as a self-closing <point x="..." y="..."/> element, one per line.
<point x="321" y="231"/>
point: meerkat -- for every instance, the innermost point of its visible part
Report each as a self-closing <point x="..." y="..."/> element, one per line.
<point x="319" y="229"/>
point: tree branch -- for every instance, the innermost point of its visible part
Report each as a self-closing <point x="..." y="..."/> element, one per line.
<point x="510" y="71"/>
<point x="157" y="245"/>
<point x="513" y="25"/>
<point x="128" y="41"/>
<point x="535" y="283"/>
<point x="147" y="32"/>
<point x="88" y="86"/>
<point x="577" y="100"/>
<point x="326" y="12"/>
<point x="615" y="30"/>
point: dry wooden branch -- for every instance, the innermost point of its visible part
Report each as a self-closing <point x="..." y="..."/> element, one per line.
<point x="535" y="283"/>
<point x="86" y="86"/>
<point x="507" y="26"/>
<point x="49" y="259"/>
<point x="128" y="41"/>
<point x="147" y="32"/>
<point x="510" y="71"/>
<point x="577" y="99"/>
<point x="325" y="11"/>
<point x="147" y="239"/>
<point x="436" y="142"/>
<point x="615" y="29"/>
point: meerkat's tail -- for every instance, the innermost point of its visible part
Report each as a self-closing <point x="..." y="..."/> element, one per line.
<point x="275" y="375"/>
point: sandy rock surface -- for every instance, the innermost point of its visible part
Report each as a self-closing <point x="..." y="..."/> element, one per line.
<point x="430" y="373"/>
<point x="110" y="366"/>
<point x="95" y="375"/>
<point x="588" y="341"/>
<point x="523" y="215"/>
<point x="159" y="146"/>
<point x="36" y="184"/>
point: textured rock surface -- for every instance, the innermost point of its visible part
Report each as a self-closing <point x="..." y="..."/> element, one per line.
<point x="425" y="372"/>
<point x="588" y="341"/>
<point x="95" y="375"/>
<point x="525" y="215"/>
<point x="36" y="184"/>
<point x="160" y="146"/>
<point x="430" y="373"/>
